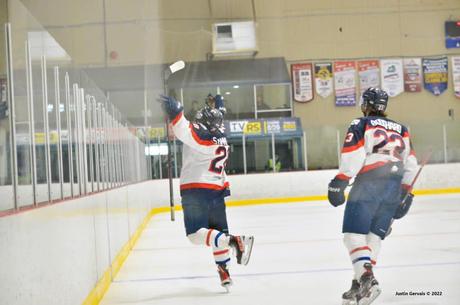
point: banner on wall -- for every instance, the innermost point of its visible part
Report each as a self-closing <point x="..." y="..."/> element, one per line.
<point x="435" y="74"/>
<point x="412" y="74"/>
<point x="369" y="74"/>
<point x="323" y="79"/>
<point x="392" y="76"/>
<point x="344" y="81"/>
<point x="302" y="82"/>
<point x="456" y="75"/>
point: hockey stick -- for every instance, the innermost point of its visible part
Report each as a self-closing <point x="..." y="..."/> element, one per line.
<point x="177" y="66"/>
<point x="411" y="186"/>
<point x="422" y="164"/>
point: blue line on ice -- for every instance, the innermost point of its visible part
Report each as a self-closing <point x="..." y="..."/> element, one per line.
<point x="282" y="272"/>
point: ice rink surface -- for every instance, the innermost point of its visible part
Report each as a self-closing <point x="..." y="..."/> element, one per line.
<point x="298" y="258"/>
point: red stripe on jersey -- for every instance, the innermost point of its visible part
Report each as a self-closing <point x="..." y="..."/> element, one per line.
<point x="405" y="134"/>
<point x="196" y="137"/>
<point x="220" y="252"/>
<point x="208" y="237"/>
<point x="343" y="177"/>
<point x="209" y="186"/>
<point x="358" y="145"/>
<point x="372" y="166"/>
<point x="177" y="118"/>
<point x="360" y="249"/>
<point x="412" y="153"/>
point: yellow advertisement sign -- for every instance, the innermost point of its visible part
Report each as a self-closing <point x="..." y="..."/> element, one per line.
<point x="253" y="128"/>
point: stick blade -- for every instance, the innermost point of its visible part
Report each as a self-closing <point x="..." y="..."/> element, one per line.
<point x="177" y="66"/>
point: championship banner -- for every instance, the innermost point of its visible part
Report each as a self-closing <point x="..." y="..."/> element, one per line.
<point x="369" y="75"/>
<point x="344" y="80"/>
<point x="456" y="75"/>
<point x="302" y="82"/>
<point x="412" y="74"/>
<point x="323" y="79"/>
<point x="435" y="74"/>
<point x="392" y="76"/>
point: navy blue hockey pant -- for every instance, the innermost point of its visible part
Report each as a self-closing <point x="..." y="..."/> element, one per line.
<point x="371" y="205"/>
<point x="204" y="212"/>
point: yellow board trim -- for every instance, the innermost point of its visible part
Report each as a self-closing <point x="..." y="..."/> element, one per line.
<point x="96" y="295"/>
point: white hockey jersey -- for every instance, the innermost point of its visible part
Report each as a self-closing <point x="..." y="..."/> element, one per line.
<point x="376" y="145"/>
<point x="204" y="156"/>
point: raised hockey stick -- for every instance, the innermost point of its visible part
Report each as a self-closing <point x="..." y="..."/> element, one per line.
<point x="177" y="66"/>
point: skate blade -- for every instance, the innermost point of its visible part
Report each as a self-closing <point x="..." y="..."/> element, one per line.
<point x="374" y="292"/>
<point x="349" y="302"/>
<point x="227" y="287"/>
<point x="248" y="243"/>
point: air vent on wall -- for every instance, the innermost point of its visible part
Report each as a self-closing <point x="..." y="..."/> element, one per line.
<point x="234" y="39"/>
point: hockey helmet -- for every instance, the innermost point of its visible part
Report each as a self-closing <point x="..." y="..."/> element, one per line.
<point x="211" y="118"/>
<point x="374" y="99"/>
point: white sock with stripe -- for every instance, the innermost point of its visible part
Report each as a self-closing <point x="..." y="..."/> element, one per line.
<point x="374" y="242"/>
<point x="210" y="238"/>
<point x="221" y="255"/>
<point x="359" y="251"/>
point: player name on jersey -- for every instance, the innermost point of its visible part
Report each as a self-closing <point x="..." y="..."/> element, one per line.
<point x="387" y="125"/>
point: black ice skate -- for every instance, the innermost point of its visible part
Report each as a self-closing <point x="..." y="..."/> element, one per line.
<point x="369" y="288"/>
<point x="225" y="280"/>
<point x="243" y="248"/>
<point x="350" y="297"/>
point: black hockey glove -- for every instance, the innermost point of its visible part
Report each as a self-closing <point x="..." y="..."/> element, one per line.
<point x="170" y="106"/>
<point x="403" y="208"/>
<point x="336" y="191"/>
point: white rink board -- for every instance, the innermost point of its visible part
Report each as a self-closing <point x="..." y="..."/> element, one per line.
<point x="298" y="258"/>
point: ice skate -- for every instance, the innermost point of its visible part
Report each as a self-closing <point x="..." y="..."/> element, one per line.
<point x="369" y="288"/>
<point x="243" y="248"/>
<point x="350" y="297"/>
<point x="225" y="280"/>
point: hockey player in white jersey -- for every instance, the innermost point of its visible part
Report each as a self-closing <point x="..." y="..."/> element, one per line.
<point x="378" y="153"/>
<point x="203" y="182"/>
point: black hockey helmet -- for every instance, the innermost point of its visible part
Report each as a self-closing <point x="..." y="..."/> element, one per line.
<point x="211" y="118"/>
<point x="374" y="100"/>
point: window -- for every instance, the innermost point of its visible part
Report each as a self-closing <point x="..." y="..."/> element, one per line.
<point x="273" y="100"/>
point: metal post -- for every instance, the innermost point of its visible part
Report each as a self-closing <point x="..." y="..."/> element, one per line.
<point x="159" y="158"/>
<point x="46" y="126"/>
<point x="76" y="107"/>
<point x="57" y="105"/>
<point x="106" y="147"/>
<point x="101" y="145"/>
<point x="84" y="108"/>
<point x="122" y="151"/>
<point x="338" y="147"/>
<point x="273" y="152"/>
<point x="11" y="114"/>
<point x="175" y="157"/>
<point x="69" y="132"/>
<point x="31" y="117"/>
<point x="444" y="138"/>
<point x="96" y="143"/>
<point x="245" y="167"/>
<point x="114" y="145"/>
<point x="305" y="157"/>
<point x="89" y="119"/>
<point x="119" y="146"/>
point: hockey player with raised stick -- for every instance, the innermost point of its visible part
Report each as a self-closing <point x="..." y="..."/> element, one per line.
<point x="377" y="152"/>
<point x="203" y="183"/>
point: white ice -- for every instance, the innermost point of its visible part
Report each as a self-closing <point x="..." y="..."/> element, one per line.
<point x="298" y="258"/>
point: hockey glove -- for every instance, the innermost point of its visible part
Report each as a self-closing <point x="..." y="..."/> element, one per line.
<point x="170" y="106"/>
<point x="403" y="208"/>
<point x="220" y="104"/>
<point x="336" y="191"/>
